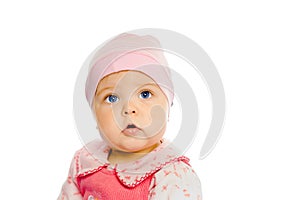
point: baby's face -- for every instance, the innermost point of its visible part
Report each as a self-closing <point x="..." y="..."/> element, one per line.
<point x="131" y="111"/>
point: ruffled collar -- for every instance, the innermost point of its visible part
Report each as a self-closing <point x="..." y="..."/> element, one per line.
<point x="93" y="158"/>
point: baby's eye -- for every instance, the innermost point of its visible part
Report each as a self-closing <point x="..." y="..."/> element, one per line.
<point x="112" y="99"/>
<point x="145" y="95"/>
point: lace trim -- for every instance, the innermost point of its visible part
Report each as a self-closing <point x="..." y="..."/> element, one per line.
<point x="146" y="175"/>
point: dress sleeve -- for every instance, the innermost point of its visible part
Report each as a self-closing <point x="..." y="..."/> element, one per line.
<point x="175" y="181"/>
<point x="70" y="189"/>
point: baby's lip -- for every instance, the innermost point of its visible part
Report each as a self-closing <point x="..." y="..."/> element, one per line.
<point x="131" y="126"/>
<point x="131" y="130"/>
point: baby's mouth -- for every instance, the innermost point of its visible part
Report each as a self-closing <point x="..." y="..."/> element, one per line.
<point x="131" y="130"/>
<point x="131" y="126"/>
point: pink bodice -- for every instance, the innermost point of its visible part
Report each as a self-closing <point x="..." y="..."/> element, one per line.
<point x="104" y="184"/>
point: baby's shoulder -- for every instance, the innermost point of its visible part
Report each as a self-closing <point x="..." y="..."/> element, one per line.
<point x="176" y="180"/>
<point x="92" y="148"/>
<point x="178" y="166"/>
<point x="90" y="156"/>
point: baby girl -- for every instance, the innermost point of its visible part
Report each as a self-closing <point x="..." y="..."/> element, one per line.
<point x="130" y="92"/>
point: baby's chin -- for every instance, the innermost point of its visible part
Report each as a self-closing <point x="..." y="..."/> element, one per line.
<point x="136" y="146"/>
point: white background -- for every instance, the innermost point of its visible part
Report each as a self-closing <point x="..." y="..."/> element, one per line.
<point x="254" y="44"/>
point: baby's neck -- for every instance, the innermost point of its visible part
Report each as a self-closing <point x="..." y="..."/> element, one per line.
<point x="118" y="157"/>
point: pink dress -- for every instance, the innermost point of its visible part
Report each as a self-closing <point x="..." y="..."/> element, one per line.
<point x="161" y="174"/>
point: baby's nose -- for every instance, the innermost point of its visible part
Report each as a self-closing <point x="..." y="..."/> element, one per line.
<point x="127" y="112"/>
<point x="129" y="108"/>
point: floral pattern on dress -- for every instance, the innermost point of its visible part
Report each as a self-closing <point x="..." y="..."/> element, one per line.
<point x="173" y="177"/>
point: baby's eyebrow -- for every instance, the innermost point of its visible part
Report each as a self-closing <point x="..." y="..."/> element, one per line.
<point x="103" y="89"/>
<point x="148" y="84"/>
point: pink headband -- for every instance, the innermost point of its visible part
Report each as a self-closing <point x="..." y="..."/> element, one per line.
<point x="125" y="57"/>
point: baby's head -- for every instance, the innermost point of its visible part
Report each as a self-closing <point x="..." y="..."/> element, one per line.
<point x="129" y="90"/>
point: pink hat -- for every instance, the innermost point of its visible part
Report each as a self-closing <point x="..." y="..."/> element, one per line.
<point x="130" y="52"/>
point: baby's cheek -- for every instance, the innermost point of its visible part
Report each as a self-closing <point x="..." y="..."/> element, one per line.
<point x="157" y="118"/>
<point x="146" y="117"/>
<point x="105" y="118"/>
